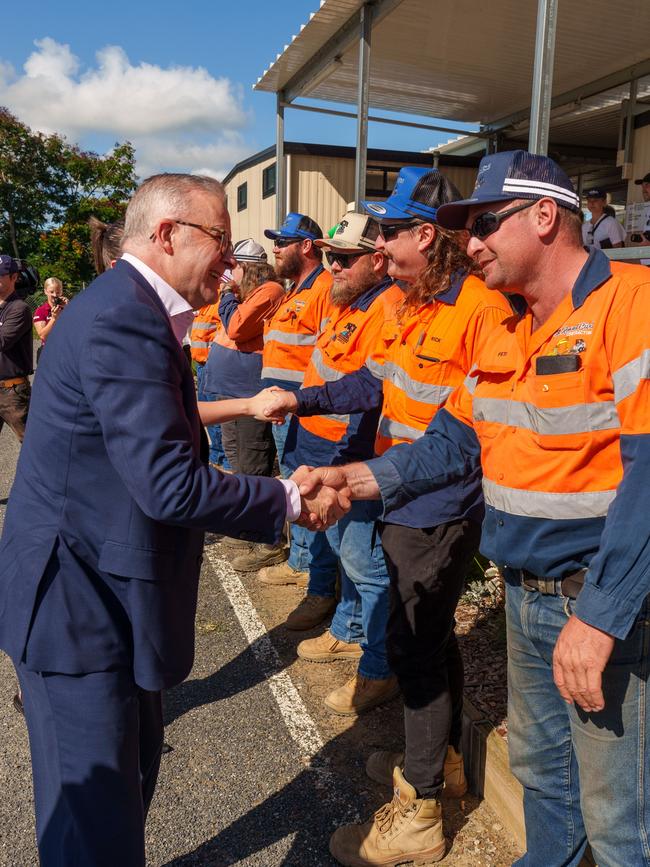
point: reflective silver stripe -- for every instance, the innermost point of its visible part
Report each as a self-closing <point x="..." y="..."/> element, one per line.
<point x="397" y="430"/>
<point x="323" y="323"/>
<point x="290" y="338"/>
<point x="541" y="504"/>
<point x="344" y="419"/>
<point x="627" y="378"/>
<point x="201" y="344"/>
<point x="197" y="324"/>
<point x="283" y="373"/>
<point x="575" y="419"/>
<point x="375" y="368"/>
<point x="324" y="370"/>
<point x="470" y="381"/>
<point x="422" y="391"/>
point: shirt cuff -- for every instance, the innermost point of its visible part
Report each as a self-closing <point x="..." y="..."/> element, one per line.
<point x="605" y="612"/>
<point x="388" y="480"/>
<point x="294" y="505"/>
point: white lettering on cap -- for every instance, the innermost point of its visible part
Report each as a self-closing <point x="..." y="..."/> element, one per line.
<point x="376" y="209"/>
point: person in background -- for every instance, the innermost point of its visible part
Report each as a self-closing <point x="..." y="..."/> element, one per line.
<point x="234" y="368"/>
<point x="603" y="230"/>
<point x="105" y="242"/>
<point x="47" y="314"/>
<point x="16" y="350"/>
<point x="290" y="336"/>
<point x="204" y="327"/>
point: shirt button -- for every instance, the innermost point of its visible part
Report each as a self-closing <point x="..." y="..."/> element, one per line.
<point x="500" y="476"/>
<point x="545" y="387"/>
<point x="501" y="522"/>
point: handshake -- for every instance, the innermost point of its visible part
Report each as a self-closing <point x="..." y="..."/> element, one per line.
<point x="324" y="496"/>
<point x="272" y="404"/>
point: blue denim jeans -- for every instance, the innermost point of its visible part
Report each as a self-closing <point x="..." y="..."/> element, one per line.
<point x="308" y="551"/>
<point x="585" y="775"/>
<point x="217" y="454"/>
<point x="362" y="613"/>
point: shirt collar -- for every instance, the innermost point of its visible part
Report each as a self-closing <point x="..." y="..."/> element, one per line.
<point x="364" y="301"/>
<point x="308" y="282"/>
<point x="170" y="298"/>
<point x="450" y="295"/>
<point x="596" y="270"/>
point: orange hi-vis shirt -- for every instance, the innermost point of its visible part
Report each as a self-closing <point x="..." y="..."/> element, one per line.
<point x="291" y="334"/>
<point x="206" y="322"/>
<point x="424" y="356"/>
<point x="348" y="340"/>
<point x="560" y="420"/>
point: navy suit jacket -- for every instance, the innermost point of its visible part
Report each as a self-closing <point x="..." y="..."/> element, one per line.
<point x="103" y="537"/>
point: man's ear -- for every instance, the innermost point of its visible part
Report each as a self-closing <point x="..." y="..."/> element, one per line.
<point x="426" y="236"/>
<point x="165" y="232"/>
<point x="546" y="217"/>
<point x="307" y="246"/>
<point x="379" y="262"/>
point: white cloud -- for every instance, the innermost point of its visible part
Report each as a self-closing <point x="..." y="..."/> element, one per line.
<point x="178" y="117"/>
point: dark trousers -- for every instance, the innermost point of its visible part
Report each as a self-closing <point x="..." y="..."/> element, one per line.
<point x="249" y="446"/>
<point x="427" y="569"/>
<point x="95" y="741"/>
<point x="14" y="405"/>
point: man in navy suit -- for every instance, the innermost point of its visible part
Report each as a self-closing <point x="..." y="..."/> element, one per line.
<point x="103" y="536"/>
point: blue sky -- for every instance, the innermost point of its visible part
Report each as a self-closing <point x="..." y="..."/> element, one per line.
<point x="178" y="85"/>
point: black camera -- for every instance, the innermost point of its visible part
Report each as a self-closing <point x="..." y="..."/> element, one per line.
<point x="28" y="279"/>
<point x="58" y="301"/>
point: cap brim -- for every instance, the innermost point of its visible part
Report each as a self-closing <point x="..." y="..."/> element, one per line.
<point x="454" y="215"/>
<point x="330" y="243"/>
<point x="272" y="234"/>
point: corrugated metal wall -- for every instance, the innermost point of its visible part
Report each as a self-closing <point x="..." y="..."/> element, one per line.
<point x="259" y="213"/>
<point x="641" y="162"/>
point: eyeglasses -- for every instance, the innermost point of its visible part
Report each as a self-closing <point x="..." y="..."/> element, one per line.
<point x="488" y="223"/>
<point x="280" y="243"/>
<point x="389" y="231"/>
<point x="217" y="234"/>
<point x="344" y="260"/>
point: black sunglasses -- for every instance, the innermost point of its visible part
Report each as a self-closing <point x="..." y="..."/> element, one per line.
<point x="389" y="231"/>
<point x="488" y="223"/>
<point x="286" y="242"/>
<point x="344" y="260"/>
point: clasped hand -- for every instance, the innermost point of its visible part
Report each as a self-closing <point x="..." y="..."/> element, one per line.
<point x="324" y="495"/>
<point x="272" y="404"/>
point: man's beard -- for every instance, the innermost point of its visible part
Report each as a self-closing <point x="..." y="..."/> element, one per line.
<point x="343" y="294"/>
<point x="290" y="266"/>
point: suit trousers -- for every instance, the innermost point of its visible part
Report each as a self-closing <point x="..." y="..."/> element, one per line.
<point x="427" y="569"/>
<point x="95" y="741"/>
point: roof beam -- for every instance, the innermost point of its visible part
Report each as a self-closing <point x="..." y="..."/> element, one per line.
<point x="593" y="88"/>
<point x="322" y="63"/>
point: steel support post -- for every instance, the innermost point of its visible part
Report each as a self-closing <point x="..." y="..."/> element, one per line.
<point x="540" y="109"/>
<point x="280" y="164"/>
<point x="365" y="28"/>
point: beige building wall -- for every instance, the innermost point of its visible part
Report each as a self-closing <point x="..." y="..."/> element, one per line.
<point x="319" y="186"/>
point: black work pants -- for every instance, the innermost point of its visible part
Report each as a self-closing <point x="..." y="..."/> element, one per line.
<point x="249" y="446"/>
<point x="427" y="570"/>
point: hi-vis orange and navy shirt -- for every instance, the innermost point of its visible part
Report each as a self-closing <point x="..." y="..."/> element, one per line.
<point x="418" y="361"/>
<point x="560" y="418"/>
<point x="347" y="341"/>
<point x="205" y="325"/>
<point x="291" y="334"/>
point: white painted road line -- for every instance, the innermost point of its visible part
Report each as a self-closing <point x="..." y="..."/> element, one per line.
<point x="301" y="726"/>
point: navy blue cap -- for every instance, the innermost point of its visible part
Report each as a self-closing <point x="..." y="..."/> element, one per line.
<point x="595" y="193"/>
<point x="415" y="196"/>
<point x="8" y="265"/>
<point x="512" y="175"/>
<point x="296" y="226"/>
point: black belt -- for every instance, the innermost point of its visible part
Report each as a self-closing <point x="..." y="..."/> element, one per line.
<point x="569" y="586"/>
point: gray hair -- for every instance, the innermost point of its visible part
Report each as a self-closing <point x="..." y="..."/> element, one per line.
<point x="164" y="195"/>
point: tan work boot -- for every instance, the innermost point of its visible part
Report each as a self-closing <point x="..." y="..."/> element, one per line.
<point x="258" y="556"/>
<point x="380" y="766"/>
<point x="310" y="612"/>
<point x="360" y="694"/>
<point x="283" y="574"/>
<point x="407" y="831"/>
<point x="327" y="648"/>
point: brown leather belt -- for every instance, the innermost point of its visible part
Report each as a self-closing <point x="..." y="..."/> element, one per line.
<point x="17" y="380"/>
<point x="569" y="586"/>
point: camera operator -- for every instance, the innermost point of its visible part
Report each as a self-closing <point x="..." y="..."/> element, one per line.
<point x="16" y="350"/>
<point x="46" y="315"/>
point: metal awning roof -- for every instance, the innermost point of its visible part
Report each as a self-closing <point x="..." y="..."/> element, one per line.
<point x="465" y="60"/>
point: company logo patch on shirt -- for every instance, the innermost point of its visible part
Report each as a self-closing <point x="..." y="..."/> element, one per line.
<point x="577" y="328"/>
<point x="347" y="332"/>
<point x="567" y="346"/>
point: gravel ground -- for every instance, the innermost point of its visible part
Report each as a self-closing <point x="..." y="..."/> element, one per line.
<point x="237" y="789"/>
